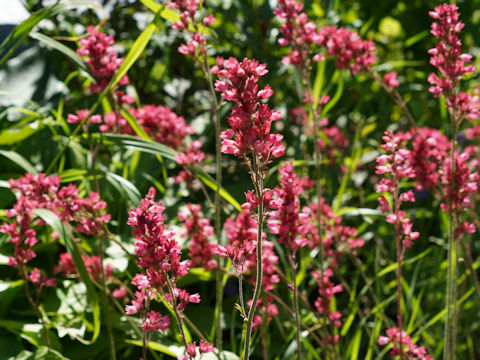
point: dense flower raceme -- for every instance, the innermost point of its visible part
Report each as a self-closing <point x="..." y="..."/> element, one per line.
<point x="346" y="45"/>
<point x="397" y="165"/>
<point x="241" y="233"/>
<point x="250" y="119"/>
<point x="465" y="185"/>
<point x="86" y="215"/>
<point x="199" y="231"/>
<point x="407" y="348"/>
<point x="284" y="220"/>
<point x="160" y="255"/>
<point x="350" y="50"/>
<point x="297" y="32"/>
<point x="190" y="21"/>
<point x="67" y="267"/>
<point x="337" y="238"/>
<point x="326" y="291"/>
<point x="452" y="65"/>
<point x="429" y="150"/>
<point x="101" y="57"/>
<point x="336" y="144"/>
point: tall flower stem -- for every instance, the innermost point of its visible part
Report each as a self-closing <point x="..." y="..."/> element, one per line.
<point x="35" y="305"/>
<point x="395" y="95"/>
<point x="257" y="177"/>
<point x="218" y="209"/>
<point x="291" y="260"/>
<point x="452" y="258"/>
<point x="178" y="315"/>
<point x="399" y="259"/>
<point x="314" y="115"/>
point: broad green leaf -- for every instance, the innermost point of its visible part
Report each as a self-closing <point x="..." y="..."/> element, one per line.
<point x="64" y="50"/>
<point x="354" y="348"/>
<point x="14" y="135"/>
<point x="19" y="160"/>
<point x="123" y="185"/>
<point x="133" y="54"/>
<point x="53" y="220"/>
<point x="132" y="121"/>
<point x="14" y="39"/>
<point x="71" y="175"/>
<point x="134" y="143"/>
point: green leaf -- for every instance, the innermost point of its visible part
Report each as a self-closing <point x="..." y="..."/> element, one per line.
<point x="64" y="50"/>
<point x="124" y="185"/>
<point x="132" y="56"/>
<point x="134" y="143"/>
<point x="354" y="347"/>
<point x="19" y="160"/>
<point x="171" y="350"/>
<point x="53" y="220"/>
<point x="15" y="135"/>
<point x="21" y="31"/>
<point x="132" y="121"/>
<point x="210" y="182"/>
<point x="71" y="175"/>
<point x="337" y="77"/>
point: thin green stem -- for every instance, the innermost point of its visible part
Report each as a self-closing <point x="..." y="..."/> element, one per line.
<point x="451" y="293"/>
<point x="291" y="260"/>
<point x="257" y="176"/>
<point x="35" y="305"/>
<point x="218" y="210"/>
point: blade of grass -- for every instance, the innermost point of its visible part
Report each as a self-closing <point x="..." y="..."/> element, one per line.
<point x="53" y="220"/>
<point x="18" y="160"/>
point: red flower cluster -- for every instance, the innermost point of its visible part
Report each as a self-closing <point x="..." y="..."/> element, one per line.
<point x="203" y="348"/>
<point x="285" y="220"/>
<point x="241" y="233"/>
<point x="391" y="79"/>
<point x="190" y="18"/>
<point x="451" y="63"/>
<point x="297" y="32"/>
<point x="407" y="348"/>
<point x="396" y="163"/>
<point x="250" y="119"/>
<point x="348" y="48"/>
<point x="163" y="125"/>
<point x="327" y="290"/>
<point x="337" y="238"/>
<point x="44" y="192"/>
<point x="198" y="231"/>
<point x="158" y="252"/>
<point x="465" y="185"/>
<point x="429" y="150"/>
<point x="67" y="267"/>
<point x="101" y="57"/>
